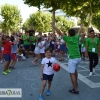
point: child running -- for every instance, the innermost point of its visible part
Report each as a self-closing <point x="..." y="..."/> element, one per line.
<point x="14" y="48"/>
<point x="37" y="51"/>
<point x="7" y="54"/>
<point x="47" y="71"/>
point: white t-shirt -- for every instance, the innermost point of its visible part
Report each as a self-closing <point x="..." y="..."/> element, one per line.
<point x="37" y="48"/>
<point x="62" y="41"/>
<point x="59" y="37"/>
<point x="42" y="49"/>
<point x="48" y="65"/>
<point x="58" y="43"/>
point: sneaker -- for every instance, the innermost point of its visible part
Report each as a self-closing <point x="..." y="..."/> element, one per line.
<point x="93" y="70"/>
<point x="5" y="73"/>
<point x="40" y="97"/>
<point x="8" y="71"/>
<point x="48" y="92"/>
<point x="90" y="74"/>
<point x="73" y="91"/>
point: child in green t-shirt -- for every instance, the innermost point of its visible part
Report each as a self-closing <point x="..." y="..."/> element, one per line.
<point x="72" y="41"/>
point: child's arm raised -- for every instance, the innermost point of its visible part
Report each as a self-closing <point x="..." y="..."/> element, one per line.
<point x="79" y="31"/>
<point x="57" y="30"/>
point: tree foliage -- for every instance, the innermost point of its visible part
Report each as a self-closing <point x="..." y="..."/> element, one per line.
<point x="96" y="21"/>
<point x="41" y="22"/>
<point x="11" y="17"/>
<point x="63" y="23"/>
<point x="54" y="4"/>
<point x="84" y="9"/>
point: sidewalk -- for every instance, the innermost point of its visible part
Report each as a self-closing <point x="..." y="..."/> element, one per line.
<point x="27" y="77"/>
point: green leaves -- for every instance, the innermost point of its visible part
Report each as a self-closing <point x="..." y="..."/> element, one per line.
<point x="63" y="23"/>
<point x="96" y="21"/>
<point x="83" y="9"/>
<point x="11" y="17"/>
<point x="41" y="22"/>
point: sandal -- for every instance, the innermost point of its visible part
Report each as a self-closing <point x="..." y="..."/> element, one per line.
<point x="73" y="91"/>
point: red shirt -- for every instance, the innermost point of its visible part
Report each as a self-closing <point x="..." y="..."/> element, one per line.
<point x="7" y="47"/>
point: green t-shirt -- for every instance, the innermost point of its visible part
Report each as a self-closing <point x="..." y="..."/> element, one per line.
<point x="92" y="44"/>
<point x="26" y="42"/>
<point x="73" y="46"/>
<point x="33" y="39"/>
<point x="83" y="43"/>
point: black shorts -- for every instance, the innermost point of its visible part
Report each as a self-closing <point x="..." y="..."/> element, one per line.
<point x="48" y="77"/>
<point x="26" y="47"/>
<point x="32" y="47"/>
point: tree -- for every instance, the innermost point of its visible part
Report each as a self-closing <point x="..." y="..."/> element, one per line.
<point x="53" y="4"/>
<point x="40" y="21"/>
<point x="11" y="17"/>
<point x="96" y="21"/>
<point x="84" y="9"/>
<point x="63" y="23"/>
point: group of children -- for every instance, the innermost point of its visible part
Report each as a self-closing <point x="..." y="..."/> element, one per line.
<point x="89" y="46"/>
<point x="10" y="52"/>
<point x="46" y="47"/>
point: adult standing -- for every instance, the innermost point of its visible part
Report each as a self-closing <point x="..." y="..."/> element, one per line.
<point x="92" y="50"/>
<point x="31" y="31"/>
<point x="25" y="38"/>
<point x="33" y="39"/>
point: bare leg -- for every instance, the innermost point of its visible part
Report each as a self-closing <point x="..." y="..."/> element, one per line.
<point x="76" y="75"/>
<point x="6" y="65"/>
<point x="73" y="79"/>
<point x="37" y="57"/>
<point x="60" y="56"/>
<point x="2" y="56"/>
<point x="63" y="54"/>
<point x="43" y="86"/>
<point x="12" y="63"/>
<point x="49" y="85"/>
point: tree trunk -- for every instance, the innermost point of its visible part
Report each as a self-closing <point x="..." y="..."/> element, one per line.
<point x="53" y="20"/>
<point x="89" y="23"/>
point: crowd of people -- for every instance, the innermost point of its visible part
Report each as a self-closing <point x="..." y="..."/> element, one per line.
<point x="45" y="47"/>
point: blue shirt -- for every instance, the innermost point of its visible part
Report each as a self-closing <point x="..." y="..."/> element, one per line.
<point x="14" y="48"/>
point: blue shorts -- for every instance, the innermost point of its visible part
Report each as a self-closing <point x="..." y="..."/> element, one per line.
<point x="7" y="57"/>
<point x="48" y="77"/>
<point x="62" y="47"/>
